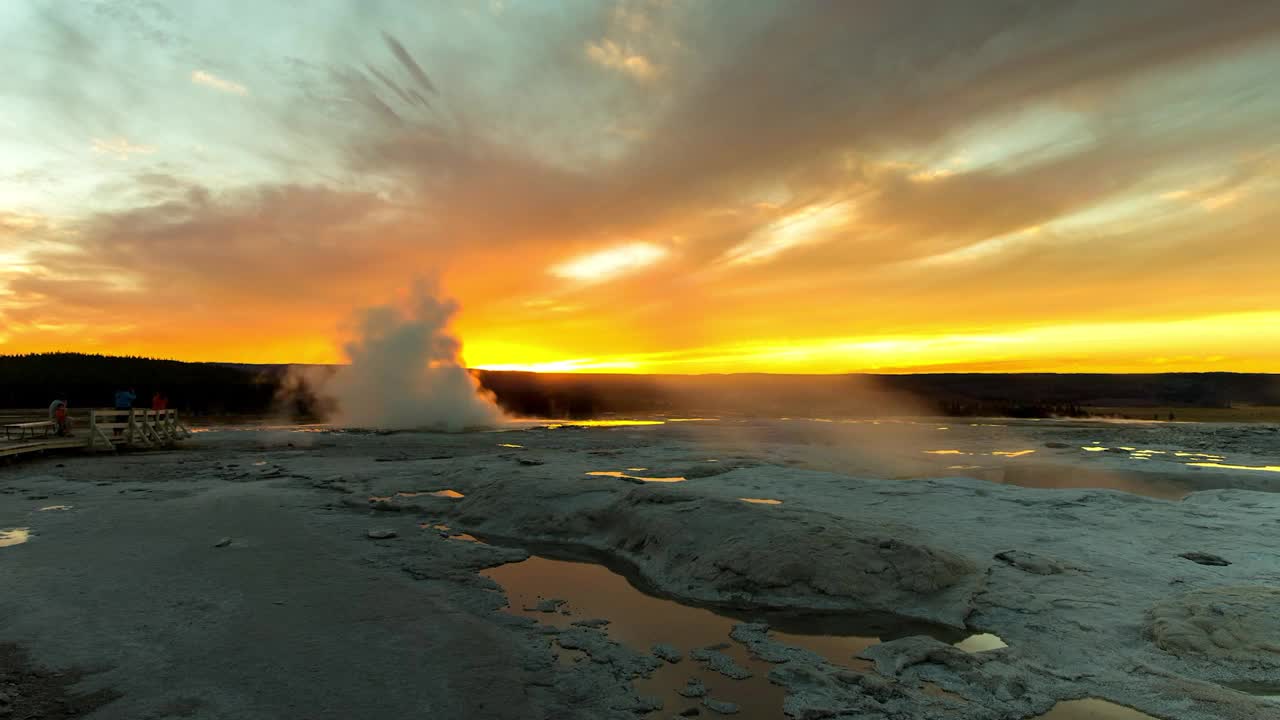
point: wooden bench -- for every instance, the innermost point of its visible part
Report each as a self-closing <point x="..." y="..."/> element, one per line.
<point x="28" y="428"/>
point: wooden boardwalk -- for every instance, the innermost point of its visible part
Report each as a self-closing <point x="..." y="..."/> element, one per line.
<point x="105" y="431"/>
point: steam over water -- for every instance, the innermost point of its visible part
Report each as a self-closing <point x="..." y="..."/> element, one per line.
<point x="405" y="370"/>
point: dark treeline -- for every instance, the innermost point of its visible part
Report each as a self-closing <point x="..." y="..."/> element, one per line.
<point x="958" y="394"/>
<point x="31" y="381"/>
<point x="89" y="381"/>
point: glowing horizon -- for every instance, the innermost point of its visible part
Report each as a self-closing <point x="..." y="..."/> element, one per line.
<point x="650" y="186"/>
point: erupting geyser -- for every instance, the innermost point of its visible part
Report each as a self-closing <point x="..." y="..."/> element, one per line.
<point x="405" y="370"/>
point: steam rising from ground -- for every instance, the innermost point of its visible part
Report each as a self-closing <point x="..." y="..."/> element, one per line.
<point x="405" y="370"/>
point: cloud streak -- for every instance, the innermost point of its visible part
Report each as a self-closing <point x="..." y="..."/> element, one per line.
<point x="208" y="79"/>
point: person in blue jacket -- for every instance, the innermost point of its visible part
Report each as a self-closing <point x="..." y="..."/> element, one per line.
<point x="125" y="398"/>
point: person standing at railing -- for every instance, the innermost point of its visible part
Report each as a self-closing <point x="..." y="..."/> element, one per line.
<point x="125" y="398"/>
<point x="159" y="401"/>
<point x="58" y="416"/>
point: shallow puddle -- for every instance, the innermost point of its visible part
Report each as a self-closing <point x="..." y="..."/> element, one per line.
<point x="1261" y="468"/>
<point x="14" y="536"/>
<point x="639" y="620"/>
<point x="453" y="494"/>
<point x="761" y="501"/>
<point x="600" y="423"/>
<point x="624" y="476"/>
<point x="449" y="533"/>
<point x="1047" y="476"/>
<point x="981" y="643"/>
<point x="48" y="508"/>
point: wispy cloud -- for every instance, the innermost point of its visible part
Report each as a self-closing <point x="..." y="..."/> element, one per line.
<point x="811" y="224"/>
<point x="120" y="147"/>
<point x="208" y="79"/>
<point x="610" y="263"/>
<point x="610" y="54"/>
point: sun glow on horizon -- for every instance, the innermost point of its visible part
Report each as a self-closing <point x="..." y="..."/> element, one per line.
<point x="1091" y="347"/>
<point x="1120" y="347"/>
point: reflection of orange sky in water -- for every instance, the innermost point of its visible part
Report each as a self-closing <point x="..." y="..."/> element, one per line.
<point x="1047" y="476"/>
<point x="1225" y="466"/>
<point x="624" y="476"/>
<point x="640" y="621"/>
<point x="14" y="536"/>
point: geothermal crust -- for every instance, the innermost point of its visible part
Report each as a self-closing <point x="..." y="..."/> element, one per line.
<point x="261" y="575"/>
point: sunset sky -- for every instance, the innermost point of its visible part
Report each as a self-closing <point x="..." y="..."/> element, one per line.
<point x="650" y="185"/>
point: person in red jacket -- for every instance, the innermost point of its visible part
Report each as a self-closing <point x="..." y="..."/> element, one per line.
<point x="58" y="414"/>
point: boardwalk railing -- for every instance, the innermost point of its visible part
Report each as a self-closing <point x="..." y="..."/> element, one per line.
<point x="106" y="430"/>
<point x="137" y="427"/>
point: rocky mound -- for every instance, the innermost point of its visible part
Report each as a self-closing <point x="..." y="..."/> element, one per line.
<point x="714" y="550"/>
<point x="1239" y="623"/>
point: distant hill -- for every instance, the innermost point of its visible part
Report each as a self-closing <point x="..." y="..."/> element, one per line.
<point x="30" y="381"/>
<point x="1017" y="395"/>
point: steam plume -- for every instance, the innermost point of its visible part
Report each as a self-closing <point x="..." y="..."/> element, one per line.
<point x="405" y="370"/>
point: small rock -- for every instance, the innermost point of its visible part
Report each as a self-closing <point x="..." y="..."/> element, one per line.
<point x="1036" y="564"/>
<point x="528" y="461"/>
<point x="1205" y="559"/>
<point x="1057" y="445"/>
<point x="591" y="623"/>
<point x="690" y="712"/>
<point x="548" y="605"/>
<point x="648" y="704"/>
<point x="381" y="534"/>
<point x="223" y="542"/>
<point x="667" y="652"/>
<point x="721" y="663"/>
<point x="639" y="705"/>
<point x="723" y="707"/>
<point x="848" y="677"/>
<point x="694" y="688"/>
